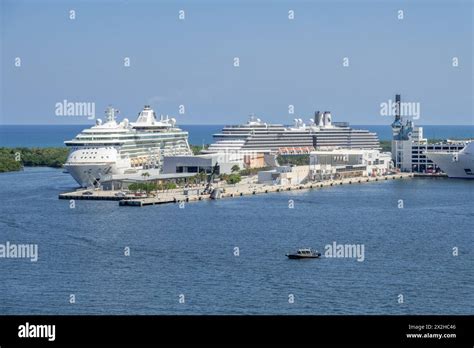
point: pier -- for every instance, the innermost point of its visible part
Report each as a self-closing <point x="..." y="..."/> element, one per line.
<point x="228" y="191"/>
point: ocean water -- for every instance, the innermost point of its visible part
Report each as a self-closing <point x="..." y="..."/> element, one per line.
<point x="190" y="251"/>
<point x="55" y="135"/>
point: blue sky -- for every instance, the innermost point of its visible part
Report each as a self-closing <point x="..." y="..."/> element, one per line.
<point x="282" y="61"/>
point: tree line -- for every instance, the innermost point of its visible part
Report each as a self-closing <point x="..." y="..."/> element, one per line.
<point x="14" y="159"/>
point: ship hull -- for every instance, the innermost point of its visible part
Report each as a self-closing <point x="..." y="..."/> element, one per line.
<point x="87" y="175"/>
<point x="462" y="168"/>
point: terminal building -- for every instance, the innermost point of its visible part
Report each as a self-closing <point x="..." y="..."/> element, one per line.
<point x="331" y="163"/>
<point x="205" y="162"/>
<point x="341" y="163"/>
<point x="197" y="164"/>
<point x="409" y="147"/>
<point x="285" y="175"/>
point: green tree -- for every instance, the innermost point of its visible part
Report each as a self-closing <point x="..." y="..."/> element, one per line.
<point x="297" y="160"/>
<point x="235" y="168"/>
<point x="9" y="160"/>
<point x="386" y="145"/>
<point x="233" y="179"/>
<point x="202" y="176"/>
<point x="170" y="185"/>
<point x="133" y="187"/>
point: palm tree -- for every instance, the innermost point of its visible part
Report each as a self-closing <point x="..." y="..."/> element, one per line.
<point x="202" y="176"/>
<point x="146" y="175"/>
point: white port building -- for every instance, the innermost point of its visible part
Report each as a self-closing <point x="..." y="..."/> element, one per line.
<point x="285" y="175"/>
<point x="409" y="147"/>
<point x="198" y="163"/>
<point x="330" y="163"/>
<point x="338" y="163"/>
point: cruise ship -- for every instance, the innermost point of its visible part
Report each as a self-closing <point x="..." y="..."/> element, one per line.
<point x="455" y="164"/>
<point x="124" y="147"/>
<point x="320" y="132"/>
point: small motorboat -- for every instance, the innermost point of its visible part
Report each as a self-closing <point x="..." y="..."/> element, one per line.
<point x="304" y="254"/>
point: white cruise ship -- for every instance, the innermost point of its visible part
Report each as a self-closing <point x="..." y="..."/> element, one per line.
<point x="127" y="147"/>
<point x="455" y="164"/>
<point x="257" y="136"/>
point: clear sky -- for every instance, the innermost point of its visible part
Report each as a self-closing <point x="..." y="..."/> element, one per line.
<point x="282" y="61"/>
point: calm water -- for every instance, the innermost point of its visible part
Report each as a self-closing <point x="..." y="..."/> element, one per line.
<point x="190" y="251"/>
<point x="44" y="136"/>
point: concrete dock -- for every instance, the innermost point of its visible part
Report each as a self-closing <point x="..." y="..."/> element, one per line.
<point x="228" y="191"/>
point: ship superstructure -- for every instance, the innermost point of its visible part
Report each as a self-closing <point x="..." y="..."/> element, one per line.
<point x="113" y="147"/>
<point x="320" y="132"/>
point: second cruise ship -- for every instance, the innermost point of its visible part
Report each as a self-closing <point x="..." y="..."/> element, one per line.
<point x="321" y="132"/>
<point x="124" y="147"/>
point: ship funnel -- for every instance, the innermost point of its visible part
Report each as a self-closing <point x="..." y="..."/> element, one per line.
<point x="318" y="118"/>
<point x="110" y="113"/>
<point x="327" y="118"/>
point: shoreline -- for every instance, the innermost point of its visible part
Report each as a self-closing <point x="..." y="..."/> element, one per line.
<point x="228" y="191"/>
<point x="14" y="159"/>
